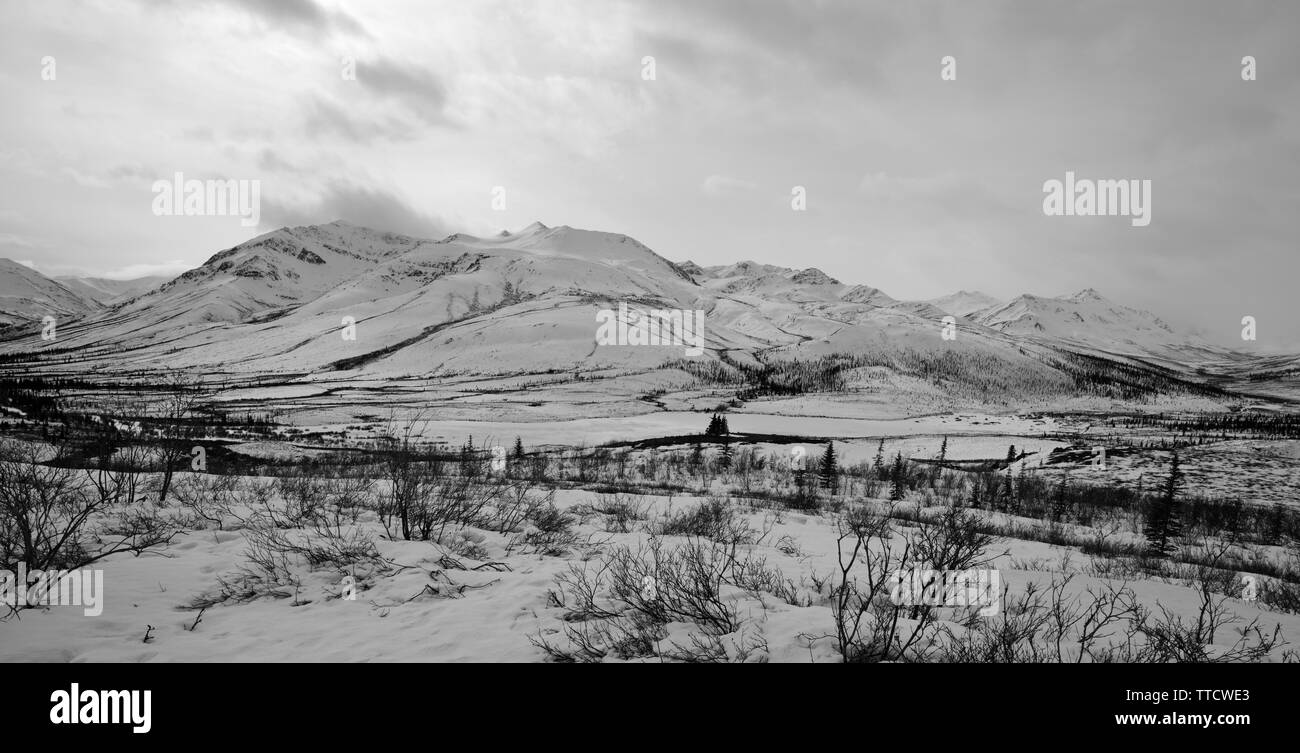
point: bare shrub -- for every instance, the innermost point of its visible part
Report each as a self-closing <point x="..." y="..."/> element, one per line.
<point x="550" y="532"/>
<point x="714" y="519"/>
<point x="53" y="517"/>
<point x="625" y="604"/>
<point x="207" y="498"/>
<point x="1042" y="625"/>
<point x="1172" y="637"/>
<point x="870" y="626"/>
<point x="621" y="511"/>
<point x="515" y="504"/>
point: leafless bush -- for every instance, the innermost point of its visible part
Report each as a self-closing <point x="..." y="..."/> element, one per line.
<point x="621" y="511"/>
<point x="788" y="546"/>
<point x="714" y="519"/>
<point x="515" y="504"/>
<point x="753" y="575"/>
<point x="1172" y="637"/>
<point x="1044" y="625"/>
<point x="207" y="498"/>
<point x="1279" y="595"/>
<point x="1104" y="624"/>
<point x="625" y="604"/>
<point x="550" y="532"/>
<point x="53" y="517"/>
<point x="315" y="526"/>
<point x="870" y="626"/>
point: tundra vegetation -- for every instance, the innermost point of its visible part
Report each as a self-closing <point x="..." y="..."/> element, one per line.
<point x="705" y="547"/>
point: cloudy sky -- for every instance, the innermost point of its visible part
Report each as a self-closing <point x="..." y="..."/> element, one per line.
<point x="915" y="185"/>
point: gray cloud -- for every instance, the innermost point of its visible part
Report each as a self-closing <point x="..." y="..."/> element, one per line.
<point x="297" y="15"/>
<point x="368" y="207"/>
<point x="418" y="89"/>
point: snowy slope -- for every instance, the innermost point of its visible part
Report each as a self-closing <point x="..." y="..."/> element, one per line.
<point x="526" y="302"/>
<point x="27" y="295"/>
<point x="1087" y="318"/>
<point x="965" y="302"/>
<point x="106" y="292"/>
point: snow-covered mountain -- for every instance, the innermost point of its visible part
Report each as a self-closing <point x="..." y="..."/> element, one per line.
<point x="107" y="292"/>
<point x="28" y="296"/>
<point x="344" y="306"/>
<point x="1088" y="318"/>
<point x="965" y="302"/>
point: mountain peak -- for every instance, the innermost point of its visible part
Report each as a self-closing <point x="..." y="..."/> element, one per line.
<point x="1087" y="294"/>
<point x="11" y="264"/>
<point x="536" y="227"/>
<point x="965" y="302"/>
<point x="813" y="276"/>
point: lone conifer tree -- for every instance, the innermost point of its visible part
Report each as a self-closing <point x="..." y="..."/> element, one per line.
<point x="1011" y="454"/>
<point x="830" y="472"/>
<point x="1061" y="505"/>
<point x="943" y="457"/>
<point x="1008" y="493"/>
<point x="879" y="465"/>
<point x="519" y="448"/>
<point x="897" y="485"/>
<point x="724" y="460"/>
<point x="1163" y="523"/>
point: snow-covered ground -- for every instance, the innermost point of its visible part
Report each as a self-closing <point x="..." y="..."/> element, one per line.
<point x="421" y="613"/>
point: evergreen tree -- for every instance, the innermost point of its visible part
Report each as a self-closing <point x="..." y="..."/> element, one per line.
<point x="1011" y="454"/>
<point x="943" y="457"/>
<point x="1061" y="504"/>
<point x="1163" y="523"/>
<point x="879" y="465"/>
<point x="697" y="457"/>
<point x="830" y="472"/>
<point x="976" y="498"/>
<point x="1276" y="525"/>
<point x="1008" y="492"/>
<point x="723" y="427"/>
<point x="898" y="485"/>
<point x="519" y="448"/>
<point x="469" y="464"/>
<point x="724" y="460"/>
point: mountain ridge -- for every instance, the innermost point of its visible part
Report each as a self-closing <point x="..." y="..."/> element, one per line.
<point x="527" y="302"/>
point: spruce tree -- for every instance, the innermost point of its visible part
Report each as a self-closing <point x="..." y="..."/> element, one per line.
<point x="1011" y="454"/>
<point x="897" y="486"/>
<point x="724" y="460"/>
<point x="879" y="465"/>
<point x="519" y="448"/>
<point x="943" y="457"/>
<point x="1060" y="505"/>
<point x="1163" y="523"/>
<point x="830" y="472"/>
